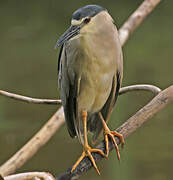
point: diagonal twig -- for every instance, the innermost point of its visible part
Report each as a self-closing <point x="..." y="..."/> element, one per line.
<point x="136" y="19"/>
<point x="131" y="125"/>
<point x="29" y="149"/>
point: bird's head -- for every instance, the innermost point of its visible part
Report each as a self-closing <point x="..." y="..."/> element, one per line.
<point x="83" y="20"/>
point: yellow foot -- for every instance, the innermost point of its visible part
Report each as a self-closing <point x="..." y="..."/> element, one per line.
<point x="111" y="134"/>
<point x="87" y="152"/>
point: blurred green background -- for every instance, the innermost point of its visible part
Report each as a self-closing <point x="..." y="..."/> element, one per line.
<point x="28" y="66"/>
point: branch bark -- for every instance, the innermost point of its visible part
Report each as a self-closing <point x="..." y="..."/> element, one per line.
<point x="132" y="23"/>
<point x="136" y="19"/>
<point x="29" y="99"/>
<point x="140" y="87"/>
<point x="131" y="125"/>
<point x="29" y="149"/>
<point x="30" y="176"/>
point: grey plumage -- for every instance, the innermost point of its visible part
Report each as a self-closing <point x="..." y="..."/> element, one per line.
<point x="90" y="72"/>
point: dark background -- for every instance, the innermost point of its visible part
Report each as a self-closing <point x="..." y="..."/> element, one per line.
<point x="28" y="66"/>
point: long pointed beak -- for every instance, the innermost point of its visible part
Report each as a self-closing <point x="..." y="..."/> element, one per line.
<point x="71" y="32"/>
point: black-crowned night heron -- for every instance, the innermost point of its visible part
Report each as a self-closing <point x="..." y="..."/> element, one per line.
<point x="90" y="73"/>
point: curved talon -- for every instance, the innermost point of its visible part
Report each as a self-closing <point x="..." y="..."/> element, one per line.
<point x="106" y="145"/>
<point x="120" y="136"/>
<point x="87" y="152"/>
<point x="111" y="134"/>
<point x="87" y="149"/>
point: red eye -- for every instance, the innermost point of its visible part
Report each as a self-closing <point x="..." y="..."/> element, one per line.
<point x="87" y="20"/>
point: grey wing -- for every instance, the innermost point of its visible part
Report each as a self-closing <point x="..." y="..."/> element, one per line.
<point x="68" y="92"/>
<point x="95" y="124"/>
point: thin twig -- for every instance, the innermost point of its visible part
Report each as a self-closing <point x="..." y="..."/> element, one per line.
<point x="8" y="167"/>
<point x="30" y="176"/>
<point x="136" y="18"/>
<point x="131" y="125"/>
<point x="29" y="149"/>
<point x="145" y="87"/>
<point x="140" y="87"/>
<point x="29" y="99"/>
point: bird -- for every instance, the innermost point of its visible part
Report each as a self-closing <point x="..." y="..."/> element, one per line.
<point x="90" y="72"/>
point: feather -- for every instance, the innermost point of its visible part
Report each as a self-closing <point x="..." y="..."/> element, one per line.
<point x="95" y="124"/>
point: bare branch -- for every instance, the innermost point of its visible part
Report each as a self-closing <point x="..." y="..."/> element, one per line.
<point x="30" y="176"/>
<point x="19" y="158"/>
<point x="27" y="151"/>
<point x="136" y="19"/>
<point x="48" y="130"/>
<point x="145" y="87"/>
<point x="139" y="87"/>
<point x="131" y="125"/>
<point x="29" y="99"/>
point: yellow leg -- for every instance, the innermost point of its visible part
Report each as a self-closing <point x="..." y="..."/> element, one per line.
<point x="87" y="150"/>
<point x="111" y="134"/>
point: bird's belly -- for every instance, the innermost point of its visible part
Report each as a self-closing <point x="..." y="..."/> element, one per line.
<point x="94" y="91"/>
<point x="96" y="74"/>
